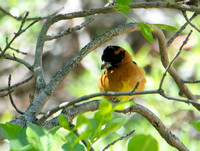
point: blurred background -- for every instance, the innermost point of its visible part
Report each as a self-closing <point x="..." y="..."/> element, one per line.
<point x="83" y="80"/>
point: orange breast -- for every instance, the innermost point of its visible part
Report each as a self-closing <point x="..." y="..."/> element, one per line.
<point x="122" y="79"/>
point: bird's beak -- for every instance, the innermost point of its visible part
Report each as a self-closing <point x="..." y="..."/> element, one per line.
<point x="105" y="65"/>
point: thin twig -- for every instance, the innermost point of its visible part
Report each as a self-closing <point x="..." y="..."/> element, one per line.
<point x="6" y="94"/>
<point x="70" y="30"/>
<point x="9" y="14"/>
<point x="17" y="84"/>
<point x="15" y="35"/>
<point x="18" y="51"/>
<point x="27" y="27"/>
<point x="125" y="136"/>
<point x="191" y="82"/>
<point x="191" y="24"/>
<point x="197" y="96"/>
<point x="10" y="96"/>
<point x="161" y="92"/>
<point x="108" y="93"/>
<point x="177" y="54"/>
<point x="87" y="97"/>
<point x="136" y="86"/>
<point x="18" y="33"/>
<point x="179" y="31"/>
<point x="26" y="64"/>
<point x="30" y="18"/>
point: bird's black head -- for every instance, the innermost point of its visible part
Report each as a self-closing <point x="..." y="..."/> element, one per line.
<point x="113" y="55"/>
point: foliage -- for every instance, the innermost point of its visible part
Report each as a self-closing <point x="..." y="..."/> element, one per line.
<point x="104" y="126"/>
<point x="86" y="129"/>
<point x="31" y="138"/>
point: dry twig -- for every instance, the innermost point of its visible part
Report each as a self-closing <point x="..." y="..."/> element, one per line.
<point x="10" y="96"/>
<point x="127" y="135"/>
<point x="177" y="54"/>
<point x="191" y="24"/>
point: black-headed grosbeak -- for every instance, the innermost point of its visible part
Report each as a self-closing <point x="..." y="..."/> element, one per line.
<point x="121" y="73"/>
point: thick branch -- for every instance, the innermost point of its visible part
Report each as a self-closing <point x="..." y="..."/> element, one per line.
<point x="107" y="93"/>
<point x="170" y="138"/>
<point x="138" y="5"/>
<point x="61" y="74"/>
<point x="171" y="70"/>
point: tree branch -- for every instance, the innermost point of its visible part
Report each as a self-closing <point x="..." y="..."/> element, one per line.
<point x="180" y="30"/>
<point x="70" y="30"/>
<point x="177" y="54"/>
<point x="72" y="112"/>
<point x="10" y="96"/>
<point x="171" y="70"/>
<point x="46" y="92"/>
<point x="191" y="82"/>
<point x="108" y="93"/>
<point x="127" y="135"/>
<point x="28" y="18"/>
<point x="170" y="138"/>
<point x="18" y="84"/>
<point x="21" y="61"/>
<point x="18" y="33"/>
<point x="191" y="24"/>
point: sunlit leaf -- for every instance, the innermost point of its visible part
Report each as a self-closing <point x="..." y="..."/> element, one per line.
<point x="143" y="143"/>
<point x="146" y="31"/>
<point x="123" y="105"/>
<point x="19" y="142"/>
<point x="84" y="127"/>
<point x="39" y="138"/>
<point x="196" y="125"/>
<point x="101" y="118"/>
<point x="76" y="147"/>
<point x="114" y="124"/>
<point x="123" y="2"/>
<point x="10" y="130"/>
<point x="63" y="122"/>
<point x="123" y="5"/>
<point x="166" y="27"/>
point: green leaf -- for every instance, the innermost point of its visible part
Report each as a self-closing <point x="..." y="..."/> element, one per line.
<point x="110" y="129"/>
<point x="143" y="143"/>
<point x="114" y="124"/>
<point x="72" y="138"/>
<point x="84" y="127"/>
<point x="63" y="122"/>
<point x="123" y="105"/>
<point x="101" y="118"/>
<point x="105" y="106"/>
<point x="123" y="5"/>
<point x="146" y="31"/>
<point x="77" y="147"/>
<point x="166" y="27"/>
<point x="104" y="115"/>
<point x="123" y="2"/>
<point x="39" y="138"/>
<point x="54" y="130"/>
<point x="19" y="142"/>
<point x="196" y="125"/>
<point x="10" y="130"/>
<point x="123" y="8"/>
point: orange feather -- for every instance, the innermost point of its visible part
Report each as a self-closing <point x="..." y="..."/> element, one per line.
<point x="122" y="76"/>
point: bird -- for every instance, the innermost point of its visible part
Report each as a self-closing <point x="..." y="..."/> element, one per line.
<point x="121" y="73"/>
